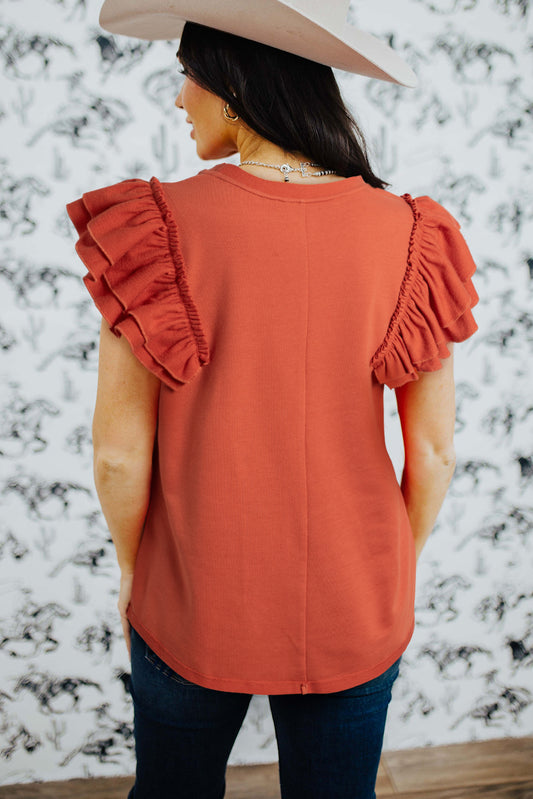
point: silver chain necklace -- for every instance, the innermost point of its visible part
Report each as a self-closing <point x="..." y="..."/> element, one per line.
<point x="285" y="169"/>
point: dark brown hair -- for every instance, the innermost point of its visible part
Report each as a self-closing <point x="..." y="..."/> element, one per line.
<point x="291" y="101"/>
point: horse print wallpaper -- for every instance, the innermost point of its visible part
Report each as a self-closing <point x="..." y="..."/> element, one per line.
<point x="80" y="109"/>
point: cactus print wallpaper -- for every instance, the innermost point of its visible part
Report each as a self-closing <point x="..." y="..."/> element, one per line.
<point x="80" y="109"/>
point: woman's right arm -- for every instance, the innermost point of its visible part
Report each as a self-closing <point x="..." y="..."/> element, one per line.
<point x="427" y="416"/>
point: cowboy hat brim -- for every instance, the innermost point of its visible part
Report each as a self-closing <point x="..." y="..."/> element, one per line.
<point x="323" y="36"/>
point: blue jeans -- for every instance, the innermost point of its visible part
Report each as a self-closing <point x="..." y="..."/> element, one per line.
<point x="329" y="745"/>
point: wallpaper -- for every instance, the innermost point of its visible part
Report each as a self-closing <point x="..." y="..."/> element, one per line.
<point x="80" y="109"/>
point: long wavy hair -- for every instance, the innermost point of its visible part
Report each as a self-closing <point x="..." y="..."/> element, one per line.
<point x="291" y="101"/>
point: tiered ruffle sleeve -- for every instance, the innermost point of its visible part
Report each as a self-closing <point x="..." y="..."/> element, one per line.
<point x="435" y="299"/>
<point x="129" y="243"/>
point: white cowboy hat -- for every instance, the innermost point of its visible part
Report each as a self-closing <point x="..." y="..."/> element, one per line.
<point x="314" y="29"/>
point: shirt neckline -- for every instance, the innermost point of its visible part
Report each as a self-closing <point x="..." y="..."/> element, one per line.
<point x="281" y="190"/>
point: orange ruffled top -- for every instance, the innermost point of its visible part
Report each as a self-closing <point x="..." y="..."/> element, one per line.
<point x="277" y="556"/>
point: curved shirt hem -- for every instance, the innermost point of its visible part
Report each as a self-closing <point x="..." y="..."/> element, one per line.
<point x="340" y="682"/>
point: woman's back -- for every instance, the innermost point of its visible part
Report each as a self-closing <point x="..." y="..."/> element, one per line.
<point x="277" y="554"/>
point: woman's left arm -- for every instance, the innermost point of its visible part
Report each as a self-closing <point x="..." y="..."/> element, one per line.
<point x="124" y="429"/>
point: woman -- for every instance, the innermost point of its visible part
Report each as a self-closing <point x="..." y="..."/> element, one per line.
<point x="251" y="316"/>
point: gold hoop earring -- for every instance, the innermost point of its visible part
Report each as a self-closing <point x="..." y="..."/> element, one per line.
<point x="227" y="115"/>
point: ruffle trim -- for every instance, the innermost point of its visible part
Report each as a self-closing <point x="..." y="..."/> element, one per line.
<point x="434" y="301"/>
<point x="136" y="276"/>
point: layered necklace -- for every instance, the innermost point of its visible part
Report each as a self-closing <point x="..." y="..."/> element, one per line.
<point x="286" y="169"/>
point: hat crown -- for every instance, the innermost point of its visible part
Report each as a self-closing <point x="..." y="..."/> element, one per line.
<point x="331" y="15"/>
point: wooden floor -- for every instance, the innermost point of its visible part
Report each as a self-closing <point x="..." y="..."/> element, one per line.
<point x="498" y="769"/>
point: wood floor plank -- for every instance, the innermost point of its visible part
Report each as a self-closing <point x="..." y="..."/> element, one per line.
<point x="243" y="782"/>
<point x="520" y="790"/>
<point x="480" y="763"/>
<point x="384" y="784"/>
<point x="95" y="788"/>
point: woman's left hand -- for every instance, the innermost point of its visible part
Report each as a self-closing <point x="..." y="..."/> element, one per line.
<point x="126" y="582"/>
